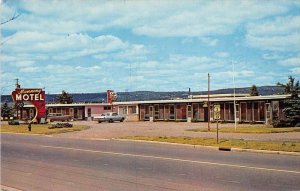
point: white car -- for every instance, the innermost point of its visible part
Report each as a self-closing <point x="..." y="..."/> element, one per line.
<point x="110" y="117"/>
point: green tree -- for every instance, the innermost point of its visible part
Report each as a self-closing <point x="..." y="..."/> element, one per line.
<point x="254" y="91"/>
<point x="6" y="111"/>
<point x="292" y="111"/>
<point x="291" y="87"/>
<point x="292" y="106"/>
<point x="64" y="98"/>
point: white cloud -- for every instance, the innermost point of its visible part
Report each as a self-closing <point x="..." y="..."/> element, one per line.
<point x="149" y="64"/>
<point x="29" y="69"/>
<point x="222" y="54"/>
<point x="294" y="61"/>
<point x="64" y="47"/>
<point x="23" y="42"/>
<point x="24" y="63"/>
<point x="271" y="56"/>
<point x="275" y="43"/>
<point x="279" y="34"/>
<point x="278" y="26"/>
<point x="296" y="71"/>
<point x="192" y="20"/>
<point x="209" y="41"/>
<point x="152" y="18"/>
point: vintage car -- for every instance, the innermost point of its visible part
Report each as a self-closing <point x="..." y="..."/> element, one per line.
<point x="58" y="117"/>
<point x="110" y="117"/>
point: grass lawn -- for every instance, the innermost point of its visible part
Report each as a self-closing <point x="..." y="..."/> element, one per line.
<point x="39" y="129"/>
<point x="248" y="129"/>
<point x="230" y="143"/>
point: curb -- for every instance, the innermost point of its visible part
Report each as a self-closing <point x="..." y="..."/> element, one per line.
<point x="266" y="151"/>
<point x="167" y="143"/>
<point x="217" y="148"/>
<point x="6" y="188"/>
<point x="35" y="134"/>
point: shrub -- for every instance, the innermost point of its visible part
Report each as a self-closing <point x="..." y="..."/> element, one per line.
<point x="61" y="125"/>
<point x="13" y="122"/>
<point x="282" y="123"/>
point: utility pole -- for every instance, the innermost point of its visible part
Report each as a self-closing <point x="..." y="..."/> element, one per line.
<point x="208" y="103"/>
<point x="234" y="100"/>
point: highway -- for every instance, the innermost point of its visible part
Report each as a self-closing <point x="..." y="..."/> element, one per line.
<point x="38" y="163"/>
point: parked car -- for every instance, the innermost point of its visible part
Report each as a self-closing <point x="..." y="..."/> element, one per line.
<point x="110" y="117"/>
<point x="59" y="117"/>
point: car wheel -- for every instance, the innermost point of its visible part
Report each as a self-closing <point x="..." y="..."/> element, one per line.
<point x="99" y="121"/>
<point x="121" y="120"/>
<point x="110" y="121"/>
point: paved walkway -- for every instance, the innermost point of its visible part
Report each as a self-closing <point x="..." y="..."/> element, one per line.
<point x="118" y="130"/>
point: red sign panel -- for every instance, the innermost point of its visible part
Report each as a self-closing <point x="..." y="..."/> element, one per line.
<point x="108" y="92"/>
<point x="111" y="96"/>
<point x="35" y="96"/>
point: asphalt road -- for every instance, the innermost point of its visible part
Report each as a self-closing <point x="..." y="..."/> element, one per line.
<point x="50" y="163"/>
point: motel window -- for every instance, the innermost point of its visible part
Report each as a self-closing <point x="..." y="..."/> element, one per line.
<point x="131" y="110"/>
<point x="123" y="110"/>
<point x="107" y="107"/>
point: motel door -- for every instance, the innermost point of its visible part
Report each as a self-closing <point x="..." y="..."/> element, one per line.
<point x="151" y="111"/>
<point x="172" y="112"/>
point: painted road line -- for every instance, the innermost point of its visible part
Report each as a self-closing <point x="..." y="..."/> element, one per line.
<point x="174" y="159"/>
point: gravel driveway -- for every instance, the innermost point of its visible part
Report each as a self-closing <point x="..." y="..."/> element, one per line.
<point x="176" y="129"/>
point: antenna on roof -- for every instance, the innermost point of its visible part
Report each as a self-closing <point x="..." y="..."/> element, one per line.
<point x="17" y="83"/>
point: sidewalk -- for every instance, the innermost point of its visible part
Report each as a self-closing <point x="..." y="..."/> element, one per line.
<point x="175" y="129"/>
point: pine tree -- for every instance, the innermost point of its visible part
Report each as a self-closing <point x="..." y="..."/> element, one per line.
<point x="291" y="87"/>
<point x="292" y="106"/>
<point x="254" y="91"/>
<point x="292" y="111"/>
<point x="65" y="98"/>
<point x="6" y="111"/>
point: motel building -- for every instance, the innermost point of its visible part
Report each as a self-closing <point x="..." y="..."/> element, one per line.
<point x="249" y="109"/>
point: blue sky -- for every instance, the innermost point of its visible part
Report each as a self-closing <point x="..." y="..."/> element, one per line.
<point x="129" y="45"/>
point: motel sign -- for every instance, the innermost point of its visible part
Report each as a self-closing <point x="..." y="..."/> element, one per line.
<point x="29" y="95"/>
<point x="35" y="96"/>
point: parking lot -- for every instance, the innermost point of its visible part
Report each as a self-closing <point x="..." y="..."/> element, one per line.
<point x="175" y="129"/>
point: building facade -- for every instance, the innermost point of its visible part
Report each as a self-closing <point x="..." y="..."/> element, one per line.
<point x="244" y="109"/>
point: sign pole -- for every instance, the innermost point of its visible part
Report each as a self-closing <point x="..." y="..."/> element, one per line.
<point x="218" y="131"/>
<point x="208" y="103"/>
<point x="217" y="116"/>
